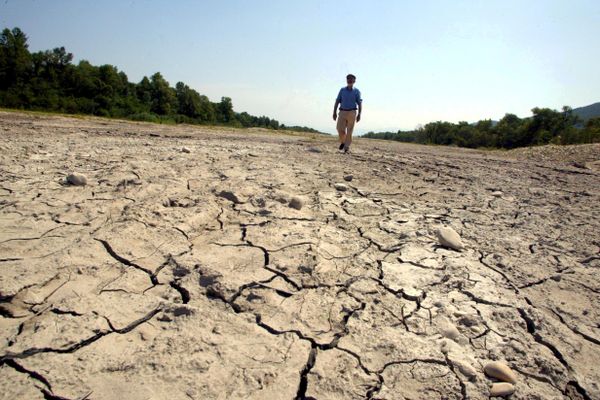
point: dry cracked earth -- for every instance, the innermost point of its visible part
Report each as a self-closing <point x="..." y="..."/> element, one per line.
<point x="180" y="271"/>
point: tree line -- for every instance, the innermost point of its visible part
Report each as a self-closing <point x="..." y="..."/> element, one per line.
<point x="544" y="127"/>
<point x="49" y="81"/>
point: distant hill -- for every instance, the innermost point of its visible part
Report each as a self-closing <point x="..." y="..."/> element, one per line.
<point x="587" y="112"/>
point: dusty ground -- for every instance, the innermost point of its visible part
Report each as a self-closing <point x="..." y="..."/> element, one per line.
<point x="186" y="275"/>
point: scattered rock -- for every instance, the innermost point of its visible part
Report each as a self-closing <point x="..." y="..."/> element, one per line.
<point x="341" y="187"/>
<point x="449" y="238"/>
<point x="185" y="150"/>
<point x="296" y="202"/>
<point x="497" y="193"/>
<point x="467" y="370"/>
<point x="450" y="332"/>
<point x="314" y="150"/>
<point x="185" y="203"/>
<point x="501" y="389"/>
<point x="348" y="178"/>
<point x="500" y="371"/>
<point x="76" y="179"/>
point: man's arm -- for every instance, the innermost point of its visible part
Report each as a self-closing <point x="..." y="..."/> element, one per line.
<point x="335" y="107"/>
<point x="359" y="111"/>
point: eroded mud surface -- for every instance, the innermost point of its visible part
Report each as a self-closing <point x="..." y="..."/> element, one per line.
<point x="184" y="274"/>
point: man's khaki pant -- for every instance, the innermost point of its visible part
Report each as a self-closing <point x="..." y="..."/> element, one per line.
<point x="345" y="126"/>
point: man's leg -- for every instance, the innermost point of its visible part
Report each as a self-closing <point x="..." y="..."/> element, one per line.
<point x="341" y="126"/>
<point x="351" y="119"/>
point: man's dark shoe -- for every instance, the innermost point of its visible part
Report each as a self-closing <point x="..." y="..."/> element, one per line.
<point x="346" y="149"/>
<point x="341" y="146"/>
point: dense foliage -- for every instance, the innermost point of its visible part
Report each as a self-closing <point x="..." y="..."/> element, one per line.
<point x="545" y="126"/>
<point x="47" y="80"/>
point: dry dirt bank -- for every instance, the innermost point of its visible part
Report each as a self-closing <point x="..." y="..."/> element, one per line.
<point x="180" y="271"/>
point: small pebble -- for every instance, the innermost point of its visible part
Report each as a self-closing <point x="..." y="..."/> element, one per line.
<point x="341" y="187"/>
<point x="502" y="389"/>
<point x="77" y="179"/>
<point x="296" y="202"/>
<point x="467" y="370"/>
<point x="500" y="371"/>
<point x="449" y="238"/>
<point x="450" y="332"/>
<point x="185" y="150"/>
<point x="348" y="178"/>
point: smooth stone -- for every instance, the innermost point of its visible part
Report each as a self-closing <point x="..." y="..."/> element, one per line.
<point x="450" y="332"/>
<point x="314" y="150"/>
<point x="296" y="202"/>
<point x="502" y="389"/>
<point x="500" y="371"/>
<point x="444" y="347"/>
<point x="348" y="178"/>
<point x="341" y="187"/>
<point x="467" y="370"/>
<point x="449" y="238"/>
<point x="185" y="150"/>
<point x="77" y="179"/>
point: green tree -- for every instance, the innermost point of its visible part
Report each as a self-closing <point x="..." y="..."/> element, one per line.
<point x="225" y="112"/>
<point x="164" y="99"/>
<point x="189" y="103"/>
<point x="15" y="59"/>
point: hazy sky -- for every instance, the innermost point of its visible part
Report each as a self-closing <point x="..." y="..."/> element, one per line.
<point x="415" y="61"/>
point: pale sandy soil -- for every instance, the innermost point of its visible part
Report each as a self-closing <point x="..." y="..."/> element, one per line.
<point x="184" y="274"/>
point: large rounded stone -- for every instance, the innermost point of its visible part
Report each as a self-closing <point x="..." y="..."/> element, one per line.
<point x="500" y="371"/>
<point x="449" y="238"/>
<point x="341" y="187"/>
<point x="77" y="179"/>
<point x="502" y="389"/>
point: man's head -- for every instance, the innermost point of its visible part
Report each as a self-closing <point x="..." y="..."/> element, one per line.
<point x="350" y="79"/>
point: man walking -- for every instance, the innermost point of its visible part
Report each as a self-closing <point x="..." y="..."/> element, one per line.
<point x="349" y="100"/>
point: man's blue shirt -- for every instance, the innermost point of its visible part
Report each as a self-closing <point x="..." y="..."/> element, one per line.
<point x="349" y="98"/>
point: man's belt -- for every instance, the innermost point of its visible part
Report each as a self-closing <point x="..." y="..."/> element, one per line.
<point x="347" y="109"/>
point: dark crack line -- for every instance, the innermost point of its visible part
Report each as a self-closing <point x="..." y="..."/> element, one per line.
<point x="581" y="391"/>
<point x="463" y="387"/>
<point x="10" y="259"/>
<point x="575" y="330"/>
<point x="73" y="348"/>
<point x="182" y="232"/>
<point x="303" y="385"/>
<point x="32" y="374"/>
<point x="418" y="265"/>
<point x="183" y="292"/>
<point x="508" y="280"/>
<point x="539" y="282"/>
<point x="221" y="224"/>
<point x="531" y="328"/>
<point x="482" y="301"/>
<point x="125" y="261"/>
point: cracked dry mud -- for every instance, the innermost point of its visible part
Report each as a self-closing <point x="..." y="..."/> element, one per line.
<point x="180" y="271"/>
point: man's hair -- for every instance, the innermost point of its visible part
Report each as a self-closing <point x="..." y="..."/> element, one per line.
<point x="350" y="76"/>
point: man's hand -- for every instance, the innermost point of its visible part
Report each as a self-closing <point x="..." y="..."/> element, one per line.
<point x="334" y="116"/>
<point x="358" y="118"/>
